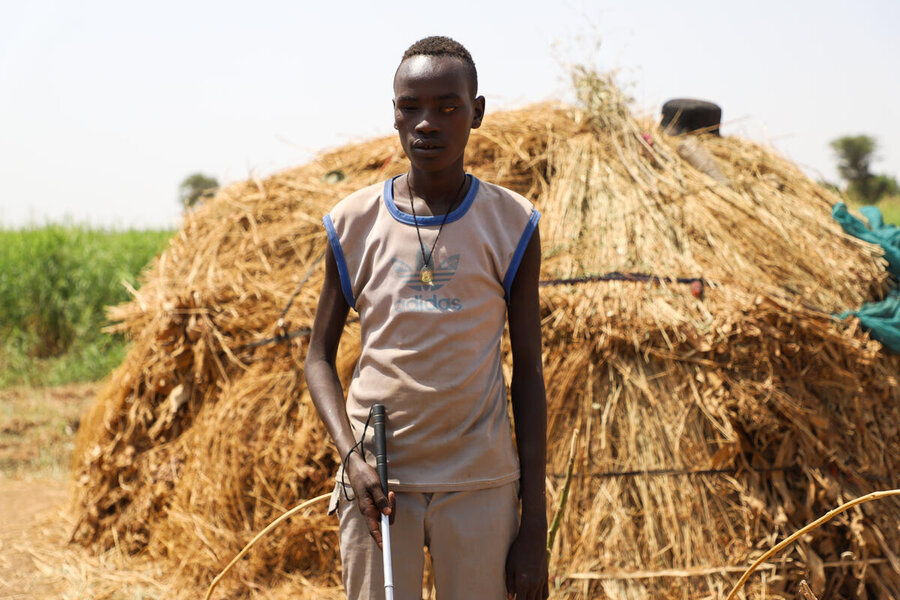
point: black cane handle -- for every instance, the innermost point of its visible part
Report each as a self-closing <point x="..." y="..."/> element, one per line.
<point x="378" y="421"/>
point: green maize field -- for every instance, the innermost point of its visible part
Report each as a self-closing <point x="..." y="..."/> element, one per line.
<point x="55" y="284"/>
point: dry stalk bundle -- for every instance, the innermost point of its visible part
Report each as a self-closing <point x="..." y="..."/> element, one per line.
<point x="200" y="439"/>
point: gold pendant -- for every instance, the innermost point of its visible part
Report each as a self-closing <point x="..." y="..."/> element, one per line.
<point x="426" y="276"/>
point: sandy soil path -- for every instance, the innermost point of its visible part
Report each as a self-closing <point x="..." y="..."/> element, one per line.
<point x="27" y="508"/>
<point x="37" y="429"/>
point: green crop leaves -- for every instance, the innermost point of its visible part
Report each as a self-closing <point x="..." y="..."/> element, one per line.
<point x="55" y="283"/>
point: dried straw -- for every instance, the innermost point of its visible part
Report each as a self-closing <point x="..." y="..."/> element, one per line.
<point x="201" y="438"/>
<point x="803" y="531"/>
<point x="268" y="529"/>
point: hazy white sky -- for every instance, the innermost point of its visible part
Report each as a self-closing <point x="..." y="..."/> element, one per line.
<point x="106" y="106"/>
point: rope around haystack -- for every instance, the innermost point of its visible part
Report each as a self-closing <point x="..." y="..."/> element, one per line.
<point x="818" y="522"/>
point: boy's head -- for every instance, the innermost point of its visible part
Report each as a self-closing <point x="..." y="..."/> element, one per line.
<point x="435" y="102"/>
<point x="438" y="45"/>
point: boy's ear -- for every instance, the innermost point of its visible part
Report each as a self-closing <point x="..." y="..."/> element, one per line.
<point x="478" y="113"/>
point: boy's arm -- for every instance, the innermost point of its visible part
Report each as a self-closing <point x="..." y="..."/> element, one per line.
<point x="328" y="397"/>
<point x="526" y="564"/>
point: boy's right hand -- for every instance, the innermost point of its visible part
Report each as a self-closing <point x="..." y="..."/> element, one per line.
<point x="370" y="499"/>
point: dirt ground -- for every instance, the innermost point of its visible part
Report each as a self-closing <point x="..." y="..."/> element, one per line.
<point x="37" y="430"/>
<point x="29" y="520"/>
<point x="37" y="435"/>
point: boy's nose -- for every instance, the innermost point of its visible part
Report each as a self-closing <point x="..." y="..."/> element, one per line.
<point x="426" y="125"/>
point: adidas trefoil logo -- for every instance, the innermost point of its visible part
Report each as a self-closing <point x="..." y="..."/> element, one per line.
<point x="442" y="274"/>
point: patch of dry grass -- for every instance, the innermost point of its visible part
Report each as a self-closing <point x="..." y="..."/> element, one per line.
<point x="63" y="571"/>
<point x="37" y="428"/>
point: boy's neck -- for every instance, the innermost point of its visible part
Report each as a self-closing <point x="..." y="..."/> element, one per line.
<point x="438" y="189"/>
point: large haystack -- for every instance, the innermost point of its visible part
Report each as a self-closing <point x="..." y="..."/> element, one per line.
<point x="709" y="427"/>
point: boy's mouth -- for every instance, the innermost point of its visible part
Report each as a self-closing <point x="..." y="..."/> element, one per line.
<point x="424" y="145"/>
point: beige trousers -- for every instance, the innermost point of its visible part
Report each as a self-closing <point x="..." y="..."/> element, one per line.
<point x="468" y="534"/>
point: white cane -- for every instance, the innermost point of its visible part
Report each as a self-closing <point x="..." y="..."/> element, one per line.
<point x="378" y="420"/>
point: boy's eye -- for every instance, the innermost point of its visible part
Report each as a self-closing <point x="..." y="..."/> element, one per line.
<point x="448" y="109"/>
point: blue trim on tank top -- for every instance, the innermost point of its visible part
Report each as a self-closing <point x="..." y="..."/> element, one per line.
<point x="434" y="220"/>
<point x="520" y="252"/>
<point x="343" y="272"/>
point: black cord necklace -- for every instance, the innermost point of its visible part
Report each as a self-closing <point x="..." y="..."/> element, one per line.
<point x="426" y="275"/>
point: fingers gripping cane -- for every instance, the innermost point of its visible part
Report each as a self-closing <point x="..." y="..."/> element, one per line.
<point x="378" y="420"/>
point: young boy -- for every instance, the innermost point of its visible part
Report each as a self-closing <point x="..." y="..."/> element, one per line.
<point x="435" y="262"/>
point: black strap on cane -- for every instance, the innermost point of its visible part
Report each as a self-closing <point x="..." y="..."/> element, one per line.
<point x="362" y="450"/>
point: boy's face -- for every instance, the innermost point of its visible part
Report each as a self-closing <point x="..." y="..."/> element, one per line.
<point x="434" y="110"/>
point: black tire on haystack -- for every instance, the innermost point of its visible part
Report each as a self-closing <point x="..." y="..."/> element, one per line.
<point x="687" y="115"/>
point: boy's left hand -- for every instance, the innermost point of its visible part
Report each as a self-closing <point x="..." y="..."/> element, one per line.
<point x="526" y="565"/>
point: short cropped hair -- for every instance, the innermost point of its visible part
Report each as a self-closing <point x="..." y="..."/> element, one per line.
<point x="439" y="45"/>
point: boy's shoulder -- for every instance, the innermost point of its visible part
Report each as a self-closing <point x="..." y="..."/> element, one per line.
<point x="504" y="191"/>
<point x="503" y="198"/>
<point x="360" y="203"/>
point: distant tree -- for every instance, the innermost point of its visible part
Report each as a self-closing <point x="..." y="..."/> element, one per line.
<point x="196" y="188"/>
<point x="855" y="154"/>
